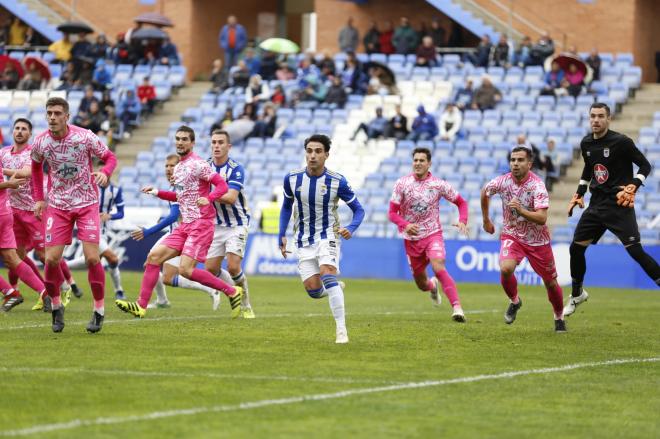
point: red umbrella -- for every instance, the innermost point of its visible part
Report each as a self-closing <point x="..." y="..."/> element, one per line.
<point x="154" y="18"/>
<point x="6" y="59"/>
<point x="32" y="62"/>
<point x="565" y="60"/>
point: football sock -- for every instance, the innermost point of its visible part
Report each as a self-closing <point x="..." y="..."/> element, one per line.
<point x="225" y="276"/>
<point x="26" y="274"/>
<point x="241" y="281"/>
<point x="206" y="278"/>
<point x="578" y="267"/>
<point x="96" y="277"/>
<point x="449" y="287"/>
<point x="510" y="285"/>
<point x="5" y="287"/>
<point x="648" y="264"/>
<point x="54" y="279"/>
<point x="30" y="263"/>
<point x="149" y="280"/>
<point x="66" y="272"/>
<point x="182" y="282"/>
<point x="161" y="295"/>
<point x="335" y="299"/>
<point x="13" y="278"/>
<point x="556" y="298"/>
<point x="115" y="276"/>
<point x="317" y="293"/>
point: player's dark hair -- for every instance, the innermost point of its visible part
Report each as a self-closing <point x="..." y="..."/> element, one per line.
<point x="322" y="139"/>
<point x="51" y="102"/>
<point x="422" y="151"/>
<point x="223" y="132"/>
<point x="600" y="105"/>
<point x="187" y="129"/>
<point x="173" y="156"/>
<point x="23" y="120"/>
<point x="527" y="149"/>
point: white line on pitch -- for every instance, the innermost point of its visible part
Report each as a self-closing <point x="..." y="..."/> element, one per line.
<point x="76" y="423"/>
<point x="219" y="316"/>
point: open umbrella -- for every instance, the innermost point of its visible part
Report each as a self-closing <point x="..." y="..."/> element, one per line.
<point x="154" y="18"/>
<point x="564" y="60"/>
<point x="387" y="76"/>
<point x="149" y="33"/>
<point x="30" y="62"/>
<point x="75" y="27"/>
<point x="279" y="45"/>
<point x="5" y="60"/>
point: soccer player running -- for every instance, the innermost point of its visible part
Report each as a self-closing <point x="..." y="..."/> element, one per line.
<point x="316" y="191"/>
<point x="525" y="205"/>
<point x="111" y="208"/>
<point x="608" y="173"/>
<point x="232" y="218"/>
<point x="193" y="178"/>
<point x="415" y="209"/>
<point x="73" y="199"/>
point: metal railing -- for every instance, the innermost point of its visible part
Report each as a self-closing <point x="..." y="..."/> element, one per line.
<point x="74" y="15"/>
<point x="511" y="32"/>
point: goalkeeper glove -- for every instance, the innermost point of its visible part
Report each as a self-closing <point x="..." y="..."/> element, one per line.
<point x="626" y="196"/>
<point x="577" y="200"/>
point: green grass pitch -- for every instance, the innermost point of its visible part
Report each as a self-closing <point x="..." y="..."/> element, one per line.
<point x="408" y="371"/>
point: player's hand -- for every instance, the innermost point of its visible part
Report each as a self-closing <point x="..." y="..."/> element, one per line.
<point x="489" y="227"/>
<point x="100" y="178"/>
<point x="626" y="196"/>
<point x="411" y="229"/>
<point x="147" y="189"/>
<point x="138" y="234"/>
<point x="203" y="201"/>
<point x="283" y="247"/>
<point x="39" y="208"/>
<point x="462" y="229"/>
<point x="105" y="217"/>
<point x="577" y="200"/>
<point x="345" y="233"/>
<point x="14" y="182"/>
<point x="515" y="205"/>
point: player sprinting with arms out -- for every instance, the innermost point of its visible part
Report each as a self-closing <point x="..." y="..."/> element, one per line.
<point x="73" y="199"/>
<point x="525" y="205"/>
<point x="608" y="173"/>
<point x="193" y="178"/>
<point x="312" y="193"/>
<point x="415" y="209"/>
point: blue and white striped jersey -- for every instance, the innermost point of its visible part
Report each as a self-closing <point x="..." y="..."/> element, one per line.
<point x="237" y="214"/>
<point x="111" y="199"/>
<point x="315" y="204"/>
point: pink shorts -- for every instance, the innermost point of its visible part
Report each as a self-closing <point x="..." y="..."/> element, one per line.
<point x="192" y="239"/>
<point x="7" y="240"/>
<point x="28" y="230"/>
<point x="540" y="257"/>
<point x="420" y="252"/>
<point x="59" y="225"/>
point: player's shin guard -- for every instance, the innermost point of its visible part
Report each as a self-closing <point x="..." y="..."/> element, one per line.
<point x="317" y="293"/>
<point x="54" y="279"/>
<point x="335" y="299"/>
<point x="115" y="276"/>
<point x="151" y="272"/>
<point x="648" y="264"/>
<point x="25" y="273"/>
<point x="510" y="285"/>
<point x="206" y="278"/>
<point x="448" y="287"/>
<point x="556" y="298"/>
<point x="96" y="277"/>
<point x="578" y="267"/>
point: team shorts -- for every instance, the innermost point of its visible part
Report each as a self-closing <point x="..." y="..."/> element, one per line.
<point x="540" y="257"/>
<point x="421" y="251"/>
<point x="7" y="240"/>
<point x="173" y="261"/>
<point x="597" y="219"/>
<point x="310" y="258"/>
<point x="192" y="239"/>
<point x="228" y="240"/>
<point x="28" y="229"/>
<point x="59" y="225"/>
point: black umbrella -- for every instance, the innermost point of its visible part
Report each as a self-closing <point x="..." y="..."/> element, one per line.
<point x="387" y="77"/>
<point x="149" y="33"/>
<point x="154" y="18"/>
<point x="75" y="27"/>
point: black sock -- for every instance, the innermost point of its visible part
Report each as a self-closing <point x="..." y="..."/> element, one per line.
<point x="578" y="267"/>
<point x="648" y="264"/>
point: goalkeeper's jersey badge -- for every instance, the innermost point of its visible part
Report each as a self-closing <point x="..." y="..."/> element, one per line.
<point x="606" y="152"/>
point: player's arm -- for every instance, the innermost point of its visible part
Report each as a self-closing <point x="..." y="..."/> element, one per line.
<point x="285" y="215"/>
<point x="230" y="197"/>
<point x="24" y="172"/>
<point x="538" y="216"/>
<point x="462" y="215"/>
<point x="37" y="181"/>
<point x="583" y="185"/>
<point x="346" y="194"/>
<point x="166" y="221"/>
<point x="12" y="183"/>
<point x="485" y="211"/>
<point x="395" y="217"/>
<point x="235" y="182"/>
<point x="626" y="196"/>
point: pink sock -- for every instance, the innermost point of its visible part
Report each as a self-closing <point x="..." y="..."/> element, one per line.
<point x="66" y="272"/>
<point x="510" y="285"/>
<point x="13" y="278"/>
<point x="206" y="278"/>
<point x="449" y="287"/>
<point x="149" y="280"/>
<point x="54" y="279"/>
<point x="26" y="274"/>
<point x="5" y="287"/>
<point x="556" y="298"/>
<point x="30" y="263"/>
<point x="96" y="277"/>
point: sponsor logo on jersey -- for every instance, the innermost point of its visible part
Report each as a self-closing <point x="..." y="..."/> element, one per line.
<point x="601" y="173"/>
<point x="606" y="152"/>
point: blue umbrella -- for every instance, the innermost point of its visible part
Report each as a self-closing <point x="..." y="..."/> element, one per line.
<point x="149" y="33"/>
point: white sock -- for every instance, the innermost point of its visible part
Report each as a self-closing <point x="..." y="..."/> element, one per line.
<point x="161" y="295"/>
<point x="64" y="286"/>
<point x="100" y="310"/>
<point x="182" y="282"/>
<point x="116" y="278"/>
<point x="225" y="276"/>
<point x="242" y="282"/>
<point x="336" y="301"/>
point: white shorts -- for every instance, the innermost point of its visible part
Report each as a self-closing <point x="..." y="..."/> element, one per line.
<point x="103" y="244"/>
<point x="310" y="258"/>
<point x="228" y="240"/>
<point x="175" y="260"/>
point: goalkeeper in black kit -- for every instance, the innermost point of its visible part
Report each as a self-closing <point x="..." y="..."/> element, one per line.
<point x="608" y="172"/>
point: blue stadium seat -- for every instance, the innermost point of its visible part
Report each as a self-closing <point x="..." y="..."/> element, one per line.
<point x="611" y="75"/>
<point x="497" y="134"/>
<point x="624" y="59"/>
<point x="397" y="58"/>
<point x="551" y="120"/>
<point x="525" y="104"/>
<point x="545" y="103"/>
<point x="632" y="76"/>
<point x="483" y="149"/>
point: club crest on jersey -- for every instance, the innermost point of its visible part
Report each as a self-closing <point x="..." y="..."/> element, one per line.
<point x="601" y="173"/>
<point x="324" y="189"/>
<point x="606" y="152"/>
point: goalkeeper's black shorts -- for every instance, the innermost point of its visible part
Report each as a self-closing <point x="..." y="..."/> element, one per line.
<point x="598" y="218"/>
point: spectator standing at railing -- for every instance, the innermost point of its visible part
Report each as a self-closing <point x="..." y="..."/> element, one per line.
<point x="349" y="37"/>
<point x="593" y="61"/>
<point x="438" y="33"/>
<point x="426" y="53"/>
<point x="232" y="39"/>
<point x="499" y="55"/>
<point x="385" y="39"/>
<point x="371" y="39"/>
<point x="405" y="38"/>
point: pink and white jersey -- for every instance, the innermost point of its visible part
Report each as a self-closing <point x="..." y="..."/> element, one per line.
<point x="532" y="195"/>
<point x="5" y="206"/>
<point x="70" y="166"/>
<point x="191" y="181"/>
<point x="419" y="202"/>
<point x="20" y="198"/>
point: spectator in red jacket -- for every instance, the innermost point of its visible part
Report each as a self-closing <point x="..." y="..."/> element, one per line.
<point x="385" y="39"/>
<point x="147" y="94"/>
